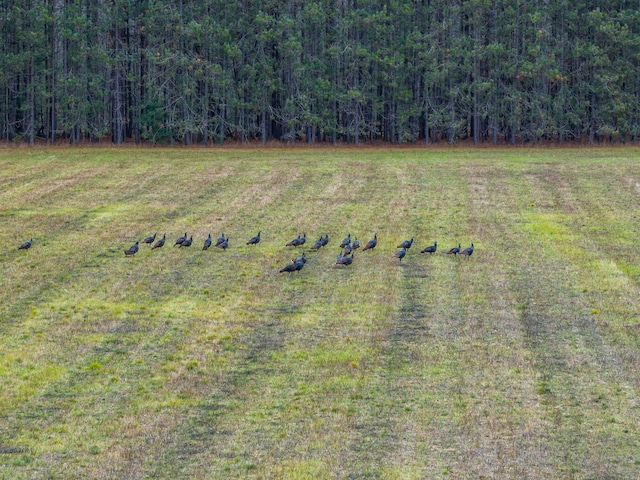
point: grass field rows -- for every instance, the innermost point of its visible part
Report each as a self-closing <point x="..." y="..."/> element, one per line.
<point x="520" y="362"/>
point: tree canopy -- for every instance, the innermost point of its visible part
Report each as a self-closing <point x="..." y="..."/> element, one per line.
<point x="203" y="71"/>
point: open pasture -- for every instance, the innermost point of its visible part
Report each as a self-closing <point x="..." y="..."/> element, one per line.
<point x="522" y="361"/>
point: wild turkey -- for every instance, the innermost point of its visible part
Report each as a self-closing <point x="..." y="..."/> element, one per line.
<point x="255" y="240"/>
<point x="406" y="244"/>
<point x="371" y="244"/>
<point x="346" y="260"/>
<point x="221" y="239"/>
<point x="160" y="243"/>
<point x="325" y="240"/>
<point x="26" y="245"/>
<point x="150" y="239"/>
<point x="133" y="249"/>
<point x="289" y="268"/>
<point x="180" y="239"/>
<point x="223" y="245"/>
<point x="431" y="249"/>
<point x="467" y="251"/>
<point x="346" y="241"/>
<point x="339" y="258"/>
<point x="348" y="248"/>
<point x="207" y="242"/>
<point x="400" y="254"/>
<point x="295" y="242"/>
<point x="302" y="258"/>
<point x="302" y="240"/>
<point x="187" y="242"/>
<point x="356" y="244"/>
<point x="293" y="267"/>
<point x="318" y="245"/>
<point x="454" y="250"/>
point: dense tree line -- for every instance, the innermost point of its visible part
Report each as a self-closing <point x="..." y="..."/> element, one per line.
<point x="318" y="70"/>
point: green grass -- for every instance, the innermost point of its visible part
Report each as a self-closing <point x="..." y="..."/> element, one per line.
<point x="521" y="362"/>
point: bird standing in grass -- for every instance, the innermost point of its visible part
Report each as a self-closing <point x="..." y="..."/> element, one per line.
<point x="325" y="240"/>
<point x="255" y="240"/>
<point x="431" y="248"/>
<point x="406" y="244"/>
<point x="454" y="250"/>
<point x="207" y="242"/>
<point x="346" y="241"/>
<point x="467" y="251"/>
<point x="150" y="239"/>
<point x="400" y="254"/>
<point x="302" y="258"/>
<point x="356" y="244"/>
<point x="371" y="244"/>
<point x="26" y="245"/>
<point x="187" y="242"/>
<point x="345" y="259"/>
<point x="224" y="244"/>
<point x="295" y="242"/>
<point x="132" y="250"/>
<point x="221" y="239"/>
<point x="318" y="245"/>
<point x="160" y="243"/>
<point x="293" y="267"/>
<point x="181" y="239"/>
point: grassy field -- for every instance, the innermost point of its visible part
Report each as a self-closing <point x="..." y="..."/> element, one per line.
<point x="520" y="362"/>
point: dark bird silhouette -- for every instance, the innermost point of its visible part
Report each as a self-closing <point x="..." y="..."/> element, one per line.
<point x="180" y="239"/>
<point x="160" y="243"/>
<point x="318" y="245"/>
<point x="345" y="259"/>
<point x="294" y="243"/>
<point x="467" y="251"/>
<point x="356" y="244"/>
<point x="289" y="268"/>
<point x="454" y="250"/>
<point x="223" y="245"/>
<point x="346" y="241"/>
<point x="431" y="248"/>
<point x="302" y="240"/>
<point x="26" y="245"/>
<point x="400" y="254"/>
<point x="207" y="242"/>
<point x="255" y="240"/>
<point x="187" y="242"/>
<point x="371" y="244"/>
<point x="302" y="258"/>
<point x="221" y="239"/>
<point x="406" y="244"/>
<point x="348" y="248"/>
<point x="339" y="258"/>
<point x="133" y="249"/>
<point x="325" y="240"/>
<point x="293" y="267"/>
<point x="150" y="239"/>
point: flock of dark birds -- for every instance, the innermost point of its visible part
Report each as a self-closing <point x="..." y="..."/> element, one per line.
<point x="346" y="256"/>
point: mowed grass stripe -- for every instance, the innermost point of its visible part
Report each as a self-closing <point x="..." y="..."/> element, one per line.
<point x="556" y="298"/>
<point x="327" y="306"/>
<point x="212" y="365"/>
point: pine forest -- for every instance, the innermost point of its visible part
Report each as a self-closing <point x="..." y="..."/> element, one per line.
<point x="318" y="71"/>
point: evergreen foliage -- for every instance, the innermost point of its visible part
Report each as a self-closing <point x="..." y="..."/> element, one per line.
<point x="202" y="71"/>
